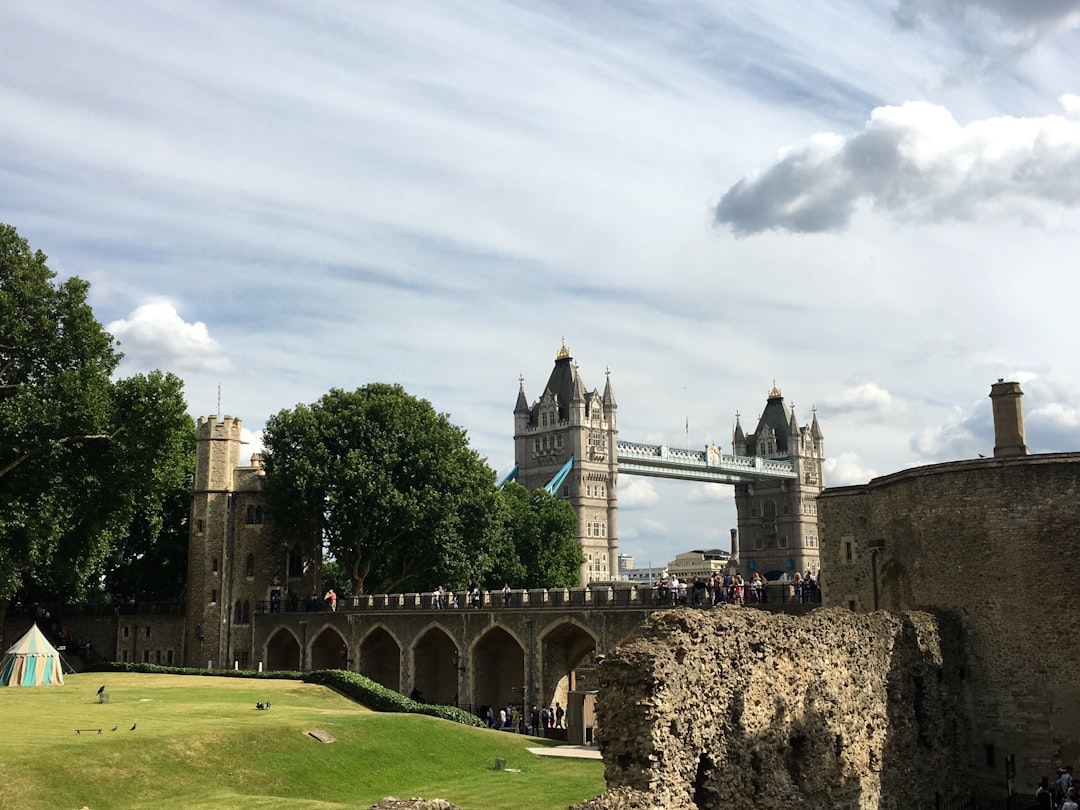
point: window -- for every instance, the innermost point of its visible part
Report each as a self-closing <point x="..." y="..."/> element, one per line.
<point x="148" y="632"/>
<point x="250" y="515"/>
<point x="782" y="541"/>
<point x="198" y="526"/>
<point x="146" y="656"/>
<point x="214" y="565"/>
<point x="126" y="630"/>
<point x="247" y="613"/>
<point x="243" y="659"/>
<point x="249" y="566"/>
<point x="168" y="658"/>
<point x="213" y="596"/>
<point x="769" y="510"/>
<point x="847" y="550"/>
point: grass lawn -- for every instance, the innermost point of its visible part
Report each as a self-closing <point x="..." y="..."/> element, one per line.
<point x="199" y="742"/>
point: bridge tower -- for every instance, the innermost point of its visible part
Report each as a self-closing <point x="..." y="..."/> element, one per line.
<point x="778" y="531"/>
<point x="567" y="421"/>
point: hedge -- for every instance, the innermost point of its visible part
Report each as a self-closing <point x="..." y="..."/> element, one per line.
<point x="353" y="686"/>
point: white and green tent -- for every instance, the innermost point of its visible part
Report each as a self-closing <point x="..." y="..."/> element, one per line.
<point x="31" y="661"/>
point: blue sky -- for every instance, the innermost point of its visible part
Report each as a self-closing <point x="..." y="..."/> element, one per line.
<point x="873" y="204"/>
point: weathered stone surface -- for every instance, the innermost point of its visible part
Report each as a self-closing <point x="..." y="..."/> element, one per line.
<point x="390" y="803"/>
<point x="739" y="708"/>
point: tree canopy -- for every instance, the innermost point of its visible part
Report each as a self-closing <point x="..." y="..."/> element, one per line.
<point x="386" y="485"/>
<point x="86" y="461"/>
<point x="539" y="547"/>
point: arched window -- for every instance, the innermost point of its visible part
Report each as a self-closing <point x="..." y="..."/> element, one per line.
<point x="258" y="515"/>
<point x="249" y="566"/>
<point x="247" y="613"/>
<point x="238" y="613"/>
<point x="769" y="510"/>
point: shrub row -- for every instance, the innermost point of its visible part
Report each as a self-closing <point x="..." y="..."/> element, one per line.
<point x="353" y="686"/>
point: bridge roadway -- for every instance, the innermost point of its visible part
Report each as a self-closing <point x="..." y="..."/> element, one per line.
<point x="660" y="461"/>
<point x="538" y="647"/>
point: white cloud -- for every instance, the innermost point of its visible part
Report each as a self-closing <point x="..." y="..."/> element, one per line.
<point x="638" y="493"/>
<point x="155" y="336"/>
<point x="847" y="468"/>
<point x="868" y="398"/>
<point x="914" y="163"/>
<point x="710" y="493"/>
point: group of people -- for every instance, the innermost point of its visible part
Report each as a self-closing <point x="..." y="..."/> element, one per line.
<point x="1061" y="794"/>
<point x="731" y="588"/>
<point x="510" y="718"/>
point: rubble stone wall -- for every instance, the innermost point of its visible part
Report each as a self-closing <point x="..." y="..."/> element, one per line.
<point x="739" y="708"/>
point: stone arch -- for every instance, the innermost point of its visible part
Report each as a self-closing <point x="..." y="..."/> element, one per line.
<point x="435" y="666"/>
<point x="497" y="670"/>
<point x="328" y="649"/>
<point x="380" y="657"/>
<point x="282" y="650"/>
<point x="567" y="660"/>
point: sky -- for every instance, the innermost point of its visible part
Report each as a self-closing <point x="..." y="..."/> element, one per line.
<point x="873" y="206"/>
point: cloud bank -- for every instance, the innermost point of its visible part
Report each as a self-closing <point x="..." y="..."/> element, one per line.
<point x="915" y="163"/>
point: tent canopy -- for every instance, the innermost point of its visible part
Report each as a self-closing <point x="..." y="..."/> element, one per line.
<point x="31" y="661"/>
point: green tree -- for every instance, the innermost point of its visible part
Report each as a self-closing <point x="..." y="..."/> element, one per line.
<point x="385" y="485"/>
<point x="539" y="548"/>
<point x="81" y="455"/>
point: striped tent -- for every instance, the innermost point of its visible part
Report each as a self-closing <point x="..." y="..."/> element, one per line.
<point x="31" y="661"/>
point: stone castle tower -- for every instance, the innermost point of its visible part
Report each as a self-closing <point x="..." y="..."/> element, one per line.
<point x="778" y="525"/>
<point x="566" y="421"/>
<point x="233" y="562"/>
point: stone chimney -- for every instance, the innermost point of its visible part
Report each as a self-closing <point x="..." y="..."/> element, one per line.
<point x="1008" y="419"/>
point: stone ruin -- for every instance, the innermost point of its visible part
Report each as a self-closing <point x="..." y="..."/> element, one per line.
<point x="736" y="708"/>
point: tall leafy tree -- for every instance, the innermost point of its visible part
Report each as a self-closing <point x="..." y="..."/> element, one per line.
<point x="79" y="452"/>
<point x="387" y="486"/>
<point x="540" y="547"/>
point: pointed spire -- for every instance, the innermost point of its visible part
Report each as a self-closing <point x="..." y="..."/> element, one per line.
<point x="815" y="431"/>
<point x="578" y="394"/>
<point x="739" y="435"/>
<point x="793" y="424"/>
<point x="522" y="405"/>
<point x="609" y="396"/>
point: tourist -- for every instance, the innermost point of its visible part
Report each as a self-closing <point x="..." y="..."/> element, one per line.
<point x="797" y="585"/>
<point x="506" y="594"/>
<point x="740" y="589"/>
<point x="559" y="715"/>
<point x="438" y="596"/>
<point x="1043" y="796"/>
<point x="474" y="596"/>
<point x="331" y="600"/>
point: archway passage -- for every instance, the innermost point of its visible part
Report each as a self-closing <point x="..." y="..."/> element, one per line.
<point x="498" y="670"/>
<point x="329" y="650"/>
<point x="282" y="650"/>
<point x="380" y="659"/>
<point x="566" y="654"/>
<point x="435" y="668"/>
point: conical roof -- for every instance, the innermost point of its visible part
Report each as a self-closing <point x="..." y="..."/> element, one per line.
<point x="31" y="661"/>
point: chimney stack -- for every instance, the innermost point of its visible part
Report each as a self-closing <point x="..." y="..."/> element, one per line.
<point x="1008" y="419"/>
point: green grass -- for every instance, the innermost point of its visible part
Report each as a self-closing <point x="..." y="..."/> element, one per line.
<point x="200" y="743"/>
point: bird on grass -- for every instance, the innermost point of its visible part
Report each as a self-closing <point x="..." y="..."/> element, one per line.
<point x="114" y="728"/>
<point x="101" y="689"/>
<point x="133" y="726"/>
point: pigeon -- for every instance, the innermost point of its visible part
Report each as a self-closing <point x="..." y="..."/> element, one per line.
<point x="114" y="728"/>
<point x="133" y="726"/>
<point x="101" y="689"/>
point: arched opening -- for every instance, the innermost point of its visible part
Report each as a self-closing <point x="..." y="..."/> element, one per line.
<point x="282" y="651"/>
<point x="498" y="669"/>
<point x="328" y="650"/>
<point x="567" y="654"/>
<point x="435" y="668"/>
<point x="380" y="659"/>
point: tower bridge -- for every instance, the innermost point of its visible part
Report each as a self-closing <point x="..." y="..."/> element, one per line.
<point x="567" y="442"/>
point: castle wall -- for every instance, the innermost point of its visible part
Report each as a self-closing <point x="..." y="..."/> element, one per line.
<point x="739" y="708"/>
<point x="994" y="540"/>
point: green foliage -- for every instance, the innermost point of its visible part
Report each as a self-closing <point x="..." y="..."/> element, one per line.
<point x="386" y="485"/>
<point x="539" y="547"/>
<point x="86" y="462"/>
